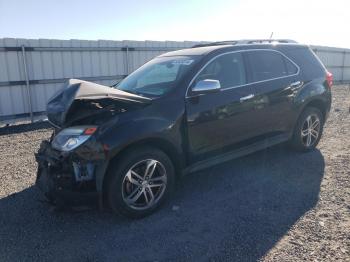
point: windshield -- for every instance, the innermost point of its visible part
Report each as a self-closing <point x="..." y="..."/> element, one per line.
<point x="158" y="76"/>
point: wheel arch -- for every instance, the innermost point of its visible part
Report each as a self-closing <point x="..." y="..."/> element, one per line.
<point x="162" y="144"/>
<point x="319" y="104"/>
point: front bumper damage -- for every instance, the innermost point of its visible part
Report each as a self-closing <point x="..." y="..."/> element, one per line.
<point x="68" y="178"/>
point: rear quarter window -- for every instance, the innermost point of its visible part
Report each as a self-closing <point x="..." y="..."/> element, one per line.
<point x="290" y="67"/>
<point x="311" y="67"/>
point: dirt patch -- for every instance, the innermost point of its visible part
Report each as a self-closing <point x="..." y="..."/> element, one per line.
<point x="323" y="233"/>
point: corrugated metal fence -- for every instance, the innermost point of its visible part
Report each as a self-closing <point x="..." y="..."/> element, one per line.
<point x="32" y="70"/>
<point x="337" y="61"/>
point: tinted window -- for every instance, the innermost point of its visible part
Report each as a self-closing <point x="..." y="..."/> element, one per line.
<point x="266" y="65"/>
<point x="291" y="68"/>
<point x="310" y="65"/>
<point x="228" y="69"/>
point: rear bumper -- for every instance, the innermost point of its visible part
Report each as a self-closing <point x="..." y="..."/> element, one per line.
<point x="56" y="178"/>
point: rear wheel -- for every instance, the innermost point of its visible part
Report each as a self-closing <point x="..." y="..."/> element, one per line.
<point x="140" y="182"/>
<point x="308" y="130"/>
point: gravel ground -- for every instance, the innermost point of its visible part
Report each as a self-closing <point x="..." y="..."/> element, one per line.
<point x="274" y="205"/>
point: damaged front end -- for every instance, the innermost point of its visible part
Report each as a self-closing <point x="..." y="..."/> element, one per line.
<point x="72" y="164"/>
<point x="70" y="177"/>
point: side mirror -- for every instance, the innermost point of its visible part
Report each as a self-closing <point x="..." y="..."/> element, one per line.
<point x="207" y="86"/>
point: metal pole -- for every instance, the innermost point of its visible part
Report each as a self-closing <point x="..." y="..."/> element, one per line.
<point x="343" y="67"/>
<point x="27" y="83"/>
<point x="127" y="60"/>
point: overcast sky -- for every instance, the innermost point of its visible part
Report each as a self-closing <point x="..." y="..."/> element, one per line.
<point x="307" y="21"/>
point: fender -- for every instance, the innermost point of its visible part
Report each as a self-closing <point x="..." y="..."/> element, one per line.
<point x="131" y="132"/>
<point x="136" y="131"/>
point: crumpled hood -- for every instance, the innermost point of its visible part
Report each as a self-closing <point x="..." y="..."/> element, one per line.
<point x="60" y="104"/>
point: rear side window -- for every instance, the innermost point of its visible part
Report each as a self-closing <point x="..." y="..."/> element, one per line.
<point x="228" y="69"/>
<point x="266" y="65"/>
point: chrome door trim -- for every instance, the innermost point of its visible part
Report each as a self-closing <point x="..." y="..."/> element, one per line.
<point x="241" y="51"/>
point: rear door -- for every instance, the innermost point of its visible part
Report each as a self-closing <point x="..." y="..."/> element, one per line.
<point x="275" y="80"/>
<point x="217" y="120"/>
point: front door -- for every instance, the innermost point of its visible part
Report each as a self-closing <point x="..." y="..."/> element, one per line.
<point x="217" y="120"/>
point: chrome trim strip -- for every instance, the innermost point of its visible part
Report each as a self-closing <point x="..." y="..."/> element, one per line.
<point x="241" y="51"/>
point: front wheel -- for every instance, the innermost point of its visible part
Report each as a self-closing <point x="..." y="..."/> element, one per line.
<point x="140" y="182"/>
<point x="308" y="130"/>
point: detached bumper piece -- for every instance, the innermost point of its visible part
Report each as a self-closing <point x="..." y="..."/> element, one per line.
<point x="63" y="179"/>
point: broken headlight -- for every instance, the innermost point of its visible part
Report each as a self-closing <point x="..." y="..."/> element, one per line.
<point x="72" y="137"/>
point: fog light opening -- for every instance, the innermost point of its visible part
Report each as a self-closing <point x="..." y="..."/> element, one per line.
<point x="83" y="171"/>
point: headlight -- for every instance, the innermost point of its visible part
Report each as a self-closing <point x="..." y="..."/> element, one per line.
<point x="72" y="137"/>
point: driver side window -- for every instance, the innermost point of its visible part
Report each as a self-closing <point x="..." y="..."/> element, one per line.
<point x="228" y="69"/>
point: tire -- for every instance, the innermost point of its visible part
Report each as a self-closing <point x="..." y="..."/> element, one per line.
<point x="304" y="139"/>
<point x="130" y="189"/>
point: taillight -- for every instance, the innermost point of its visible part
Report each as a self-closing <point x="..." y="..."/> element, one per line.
<point x="329" y="78"/>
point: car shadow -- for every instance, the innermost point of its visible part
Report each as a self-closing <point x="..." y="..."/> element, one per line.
<point x="236" y="211"/>
<point x="26" y="127"/>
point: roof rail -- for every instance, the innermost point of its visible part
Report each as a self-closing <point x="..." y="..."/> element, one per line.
<point x="262" y="41"/>
<point x="233" y="42"/>
<point x="246" y="42"/>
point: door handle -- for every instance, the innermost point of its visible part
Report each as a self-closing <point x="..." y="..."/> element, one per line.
<point x="296" y="84"/>
<point x="245" y="98"/>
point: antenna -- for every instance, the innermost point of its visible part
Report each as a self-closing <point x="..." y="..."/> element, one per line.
<point x="271" y="35"/>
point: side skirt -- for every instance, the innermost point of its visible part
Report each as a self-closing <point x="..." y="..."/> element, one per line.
<point x="268" y="142"/>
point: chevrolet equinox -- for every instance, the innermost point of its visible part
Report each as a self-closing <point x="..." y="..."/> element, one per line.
<point x="183" y="111"/>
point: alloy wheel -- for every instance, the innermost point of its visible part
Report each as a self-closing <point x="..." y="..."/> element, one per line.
<point x="144" y="184"/>
<point x="310" y="130"/>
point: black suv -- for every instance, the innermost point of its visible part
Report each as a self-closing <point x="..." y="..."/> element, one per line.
<point x="185" y="110"/>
